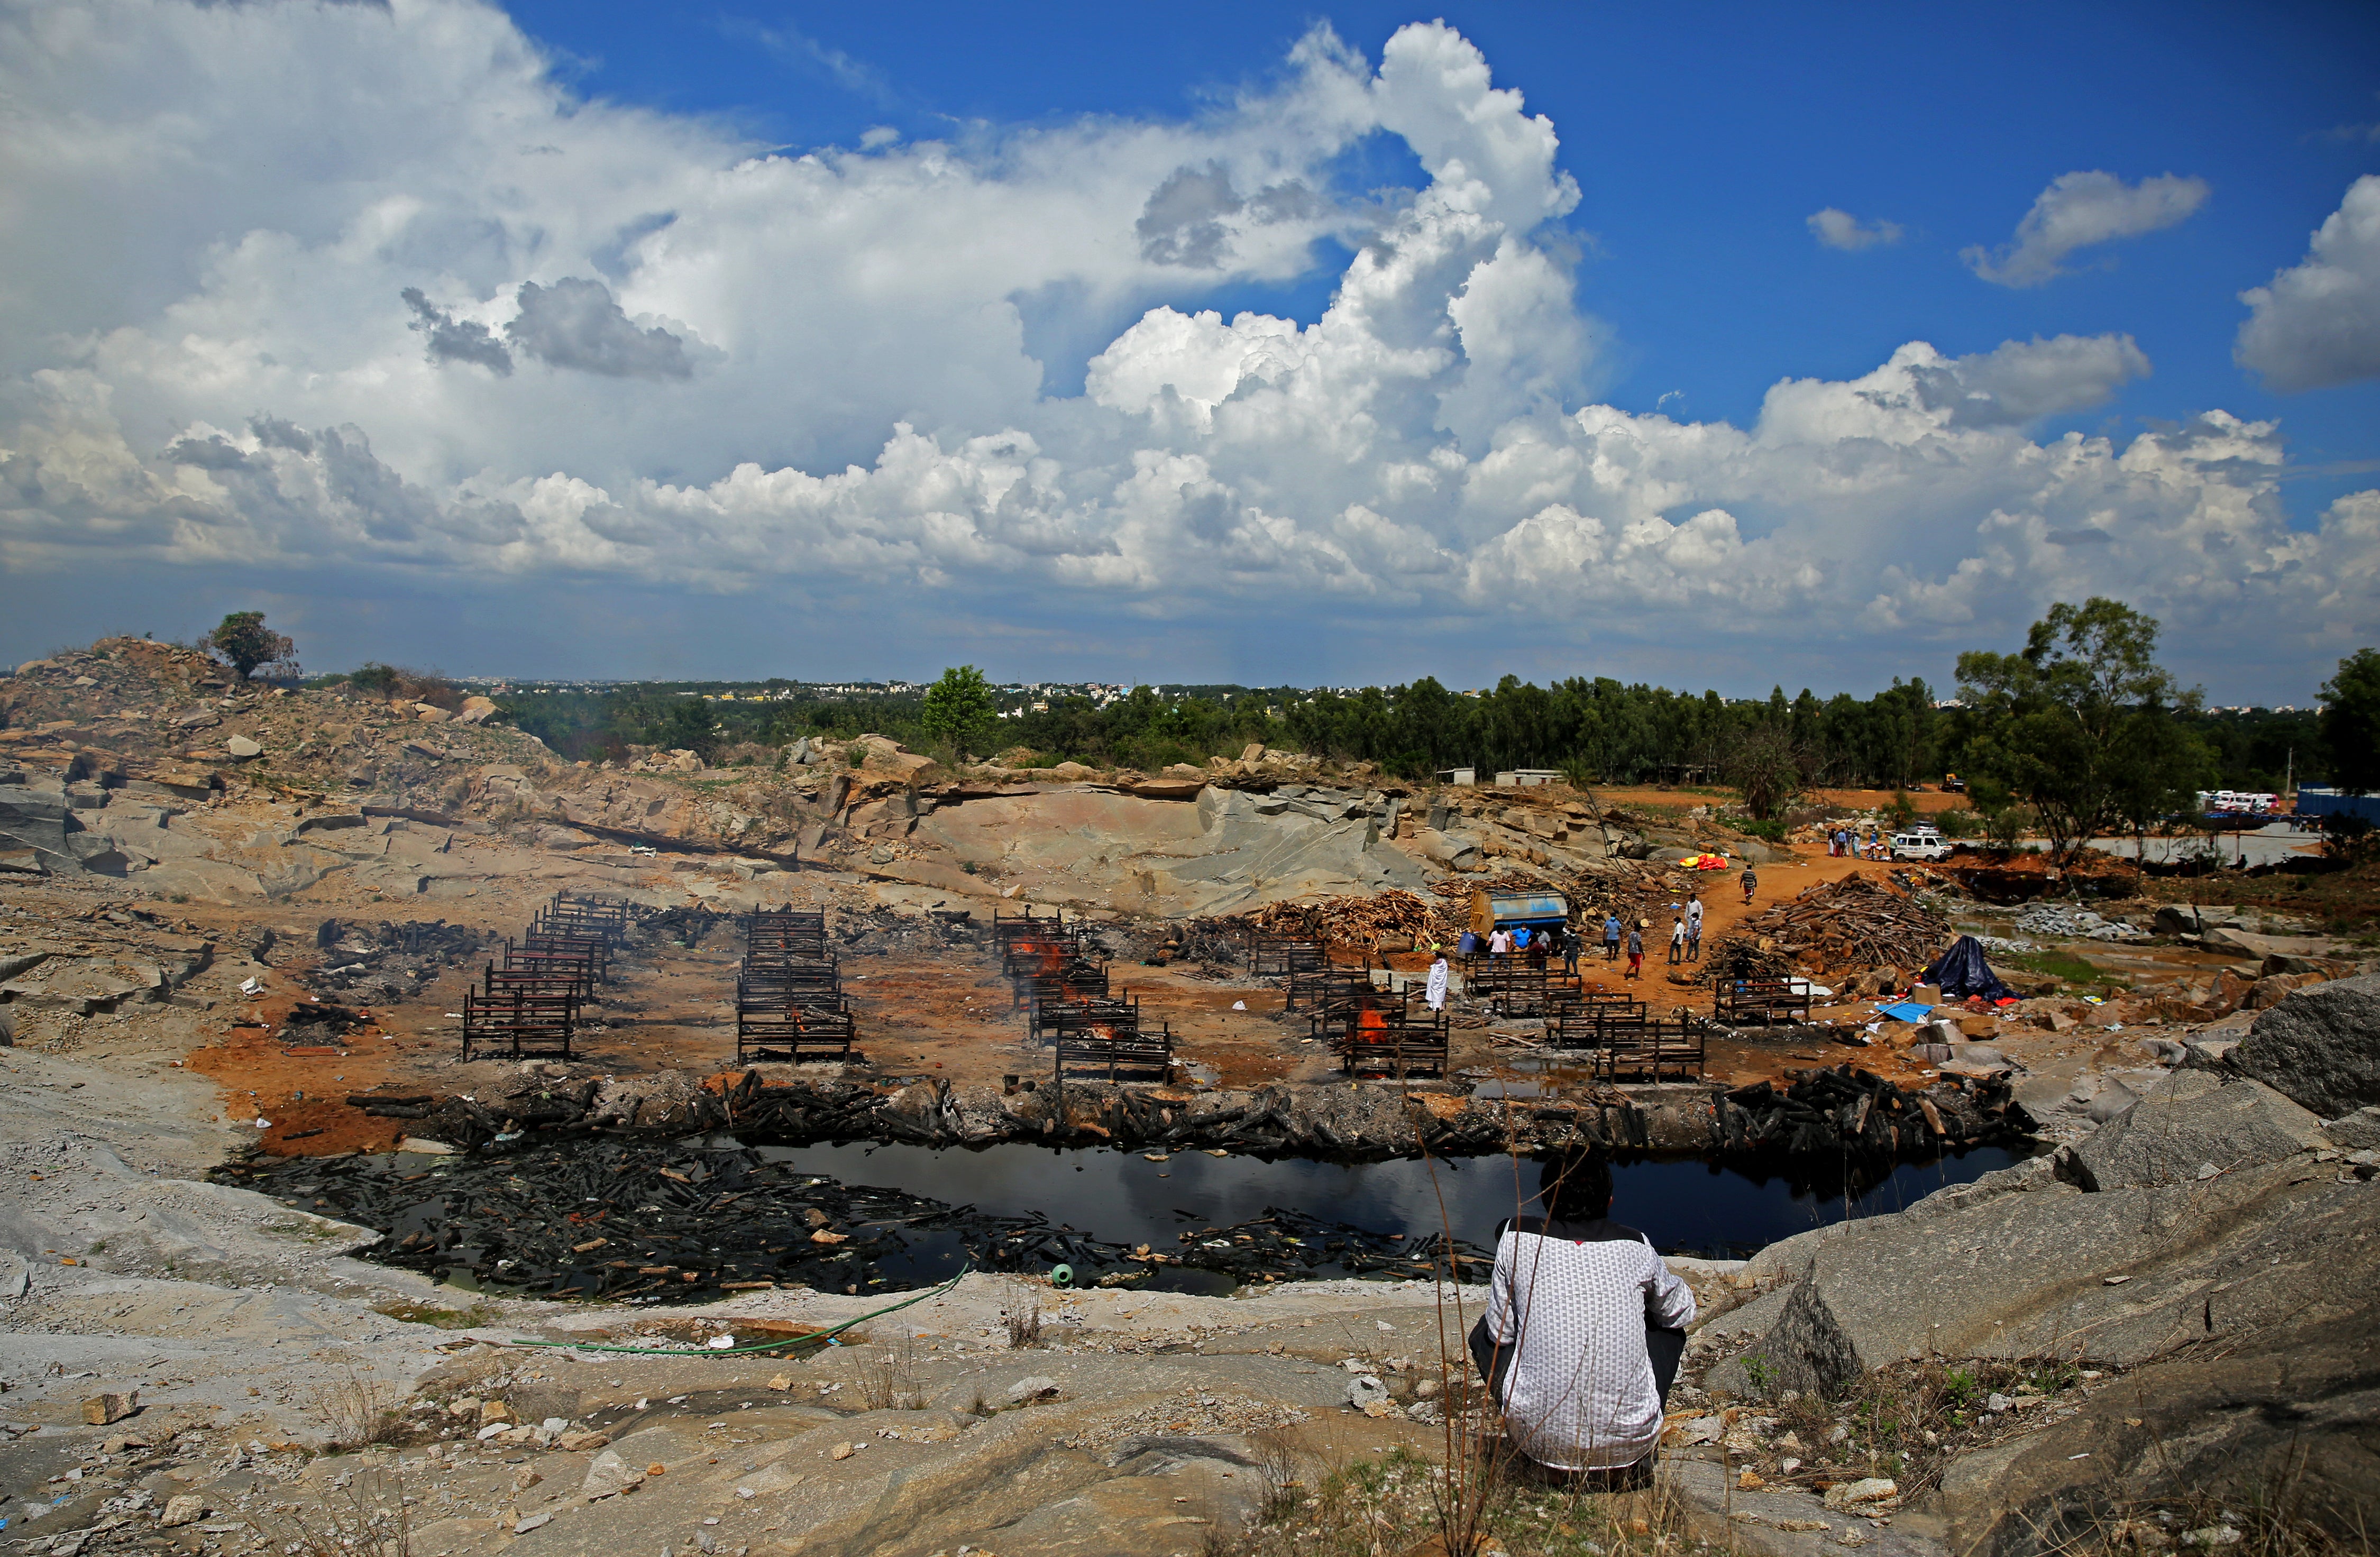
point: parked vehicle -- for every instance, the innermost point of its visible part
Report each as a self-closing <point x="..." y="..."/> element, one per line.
<point x="1928" y="845"/>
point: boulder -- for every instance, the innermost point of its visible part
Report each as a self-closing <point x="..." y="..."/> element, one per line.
<point x="431" y="714"/>
<point x="36" y="821"/>
<point x="2189" y="1121"/>
<point x="476" y="710"/>
<point x="2026" y="1272"/>
<point x="2358" y="1131"/>
<point x="608" y="1477"/>
<point x="2113" y="1101"/>
<point x="2275" y="988"/>
<point x="2227" y="939"/>
<point x="2320" y="1047"/>
<point x="1445" y="848"/>
<point x="183" y="1508"/>
<point x="243" y="746"/>
<point x="102" y="1409"/>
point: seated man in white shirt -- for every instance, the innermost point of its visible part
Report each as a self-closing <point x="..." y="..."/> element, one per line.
<point x="1585" y="1328"/>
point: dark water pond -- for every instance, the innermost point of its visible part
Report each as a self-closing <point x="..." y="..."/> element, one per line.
<point x="1685" y="1206"/>
<point x="664" y="1222"/>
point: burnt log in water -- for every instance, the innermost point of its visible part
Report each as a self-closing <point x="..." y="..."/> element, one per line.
<point x="1856" y="1114"/>
<point x="589" y="1216"/>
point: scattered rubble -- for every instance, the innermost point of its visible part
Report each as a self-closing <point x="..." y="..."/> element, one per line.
<point x="2075" y="924"/>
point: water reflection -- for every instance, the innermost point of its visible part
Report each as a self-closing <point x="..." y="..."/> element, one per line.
<point x="1687" y="1206"/>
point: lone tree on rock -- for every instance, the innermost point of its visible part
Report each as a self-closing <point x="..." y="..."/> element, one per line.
<point x="958" y="708"/>
<point x="246" y="642"/>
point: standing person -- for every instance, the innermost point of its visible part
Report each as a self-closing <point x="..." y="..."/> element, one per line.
<point x="1521" y="939"/>
<point x="1678" y="939"/>
<point x="1694" y="928"/>
<point x="1749" y="881"/>
<point x="1569" y="951"/>
<point x="1435" y="990"/>
<point x="1611" y="937"/>
<point x="1636" y="949"/>
<point x="1585" y="1329"/>
<point x="1499" y="942"/>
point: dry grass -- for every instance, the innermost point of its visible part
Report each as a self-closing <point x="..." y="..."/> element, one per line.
<point x="1024" y="1326"/>
<point x="1391" y="1503"/>
<point x="888" y="1382"/>
<point x="1905" y="1421"/>
<point x="360" y="1410"/>
<point x="2284" y="1514"/>
<point x="365" y="1518"/>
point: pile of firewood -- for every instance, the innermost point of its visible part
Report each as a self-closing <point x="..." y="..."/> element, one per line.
<point x="1847" y="925"/>
<point x="1363" y="922"/>
<point x="1460" y="888"/>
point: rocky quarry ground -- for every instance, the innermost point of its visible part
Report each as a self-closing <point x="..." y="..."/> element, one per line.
<point x="2157" y="1333"/>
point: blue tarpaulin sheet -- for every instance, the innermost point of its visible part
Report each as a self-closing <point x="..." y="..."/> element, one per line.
<point x="1907" y="1011"/>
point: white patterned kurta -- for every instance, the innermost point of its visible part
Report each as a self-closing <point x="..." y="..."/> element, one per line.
<point x="1573" y="1303"/>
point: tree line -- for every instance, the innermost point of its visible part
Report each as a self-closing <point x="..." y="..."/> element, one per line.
<point x="2082" y="730"/>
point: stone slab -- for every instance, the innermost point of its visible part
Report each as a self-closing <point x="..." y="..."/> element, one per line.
<point x="2320" y="1047"/>
<point x="2194" y="1124"/>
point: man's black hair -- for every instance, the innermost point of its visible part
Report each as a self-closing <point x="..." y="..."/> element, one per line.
<point x="1575" y="1186"/>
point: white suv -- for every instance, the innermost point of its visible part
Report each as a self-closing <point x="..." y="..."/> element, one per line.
<point x="1928" y="845"/>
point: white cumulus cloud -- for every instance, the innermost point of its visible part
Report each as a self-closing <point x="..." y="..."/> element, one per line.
<point x="2078" y="210"/>
<point x="306" y="289"/>
<point x="2318" y="324"/>
<point x="1840" y="229"/>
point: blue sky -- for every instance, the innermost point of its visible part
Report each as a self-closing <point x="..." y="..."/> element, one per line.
<point x="1678" y="287"/>
<point x="1702" y="137"/>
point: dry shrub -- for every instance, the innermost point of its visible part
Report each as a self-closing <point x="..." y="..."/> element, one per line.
<point x="888" y="1382"/>
<point x="1390" y="1503"/>
<point x="2285" y="1513"/>
<point x="1025" y="1326"/>
<point x="366" y="1518"/>
<point x="360" y="1410"/>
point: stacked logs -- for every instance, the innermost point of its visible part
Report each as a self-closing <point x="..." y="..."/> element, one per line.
<point x="1366" y="922"/>
<point x="1853" y="924"/>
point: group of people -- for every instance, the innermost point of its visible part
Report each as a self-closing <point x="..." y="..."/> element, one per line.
<point x="1541" y="945"/>
<point x="1685" y="936"/>
<point x="1844" y="843"/>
